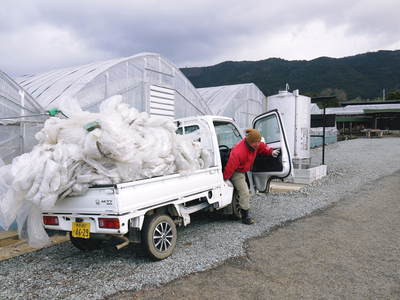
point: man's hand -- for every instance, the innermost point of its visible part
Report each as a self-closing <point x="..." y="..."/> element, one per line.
<point x="276" y="152"/>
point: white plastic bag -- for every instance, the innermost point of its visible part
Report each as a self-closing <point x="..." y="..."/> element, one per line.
<point x="30" y="226"/>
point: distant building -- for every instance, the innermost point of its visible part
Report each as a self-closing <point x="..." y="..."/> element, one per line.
<point x="354" y="117"/>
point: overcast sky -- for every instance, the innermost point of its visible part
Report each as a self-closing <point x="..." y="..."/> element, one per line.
<point x="40" y="35"/>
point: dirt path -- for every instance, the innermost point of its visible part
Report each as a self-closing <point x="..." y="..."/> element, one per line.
<point x="351" y="251"/>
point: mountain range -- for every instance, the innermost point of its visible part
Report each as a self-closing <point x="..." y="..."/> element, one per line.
<point x="359" y="76"/>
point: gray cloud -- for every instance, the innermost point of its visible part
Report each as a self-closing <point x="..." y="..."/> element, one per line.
<point x="44" y="34"/>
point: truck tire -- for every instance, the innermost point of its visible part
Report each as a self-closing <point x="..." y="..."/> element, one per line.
<point x="159" y="236"/>
<point x="85" y="244"/>
<point x="236" y="213"/>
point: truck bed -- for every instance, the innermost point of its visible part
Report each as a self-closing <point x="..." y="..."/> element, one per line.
<point x="142" y="195"/>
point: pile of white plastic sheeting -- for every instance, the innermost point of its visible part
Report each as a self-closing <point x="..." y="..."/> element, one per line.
<point x="116" y="145"/>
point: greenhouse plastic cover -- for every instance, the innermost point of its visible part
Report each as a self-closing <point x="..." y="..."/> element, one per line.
<point x="20" y="118"/>
<point x="116" y="145"/>
<point x="242" y="102"/>
<point x="130" y="77"/>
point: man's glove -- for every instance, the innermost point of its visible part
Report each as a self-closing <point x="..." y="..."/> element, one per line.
<point x="228" y="183"/>
<point x="276" y="153"/>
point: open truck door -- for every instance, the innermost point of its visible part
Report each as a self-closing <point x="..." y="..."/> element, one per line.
<point x="265" y="168"/>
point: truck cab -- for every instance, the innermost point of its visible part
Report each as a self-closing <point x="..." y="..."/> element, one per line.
<point x="227" y="134"/>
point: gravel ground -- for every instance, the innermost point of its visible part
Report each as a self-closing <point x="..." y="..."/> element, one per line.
<point x="64" y="272"/>
<point x="349" y="251"/>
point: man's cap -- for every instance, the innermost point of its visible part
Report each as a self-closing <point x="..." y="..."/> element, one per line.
<point x="252" y="135"/>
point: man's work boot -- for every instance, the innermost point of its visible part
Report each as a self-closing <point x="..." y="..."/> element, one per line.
<point x="246" y="219"/>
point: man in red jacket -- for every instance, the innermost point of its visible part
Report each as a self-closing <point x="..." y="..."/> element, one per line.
<point x="240" y="161"/>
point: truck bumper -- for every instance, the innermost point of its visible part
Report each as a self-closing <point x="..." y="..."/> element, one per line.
<point x="65" y="223"/>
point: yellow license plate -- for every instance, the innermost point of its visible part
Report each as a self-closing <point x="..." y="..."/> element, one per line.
<point x="81" y="230"/>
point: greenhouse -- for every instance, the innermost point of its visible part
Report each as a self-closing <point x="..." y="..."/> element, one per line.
<point x="242" y="102"/>
<point x="20" y="118"/>
<point x="146" y="81"/>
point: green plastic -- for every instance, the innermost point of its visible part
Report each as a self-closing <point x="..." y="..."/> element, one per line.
<point x="53" y="111"/>
<point x="91" y="126"/>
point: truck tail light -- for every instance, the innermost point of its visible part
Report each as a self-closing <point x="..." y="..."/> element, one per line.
<point x="112" y="223"/>
<point x="50" y="220"/>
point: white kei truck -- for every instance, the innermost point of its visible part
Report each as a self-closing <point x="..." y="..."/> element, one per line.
<point x="149" y="210"/>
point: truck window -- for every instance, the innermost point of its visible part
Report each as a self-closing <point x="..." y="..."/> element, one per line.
<point x="199" y="131"/>
<point x="188" y="129"/>
<point x="227" y="134"/>
<point x="269" y="129"/>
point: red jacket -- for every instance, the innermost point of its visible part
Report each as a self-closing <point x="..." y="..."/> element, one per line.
<point x="242" y="158"/>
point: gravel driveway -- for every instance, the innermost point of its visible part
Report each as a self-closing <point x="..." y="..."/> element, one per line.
<point x="349" y="251"/>
<point x="64" y="272"/>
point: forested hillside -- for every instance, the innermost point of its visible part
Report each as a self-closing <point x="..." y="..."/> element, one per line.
<point x="364" y="75"/>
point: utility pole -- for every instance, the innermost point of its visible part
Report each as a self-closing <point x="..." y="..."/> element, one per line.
<point x="383" y="97"/>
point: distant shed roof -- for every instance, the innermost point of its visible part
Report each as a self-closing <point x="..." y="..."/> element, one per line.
<point x="345" y="103"/>
<point x="388" y="110"/>
<point x="360" y="109"/>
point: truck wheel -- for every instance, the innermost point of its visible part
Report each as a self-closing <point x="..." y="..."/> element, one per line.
<point x="85" y="244"/>
<point x="159" y="236"/>
<point x="236" y="213"/>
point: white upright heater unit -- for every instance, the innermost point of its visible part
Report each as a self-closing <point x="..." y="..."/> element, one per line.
<point x="295" y="112"/>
